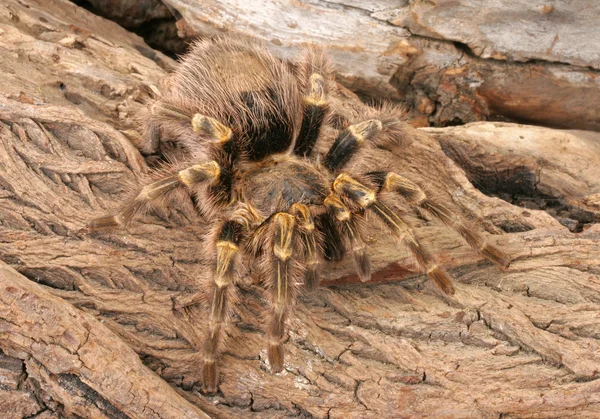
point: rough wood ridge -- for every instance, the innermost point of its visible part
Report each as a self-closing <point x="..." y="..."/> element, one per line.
<point x="75" y="309"/>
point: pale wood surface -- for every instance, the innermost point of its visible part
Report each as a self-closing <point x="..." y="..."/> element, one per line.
<point x="450" y="62"/>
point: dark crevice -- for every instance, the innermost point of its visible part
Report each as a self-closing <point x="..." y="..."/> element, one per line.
<point x="159" y="33"/>
<point x="519" y="186"/>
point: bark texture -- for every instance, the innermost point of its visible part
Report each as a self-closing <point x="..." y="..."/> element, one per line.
<point x="75" y="308"/>
<point x="450" y="62"/>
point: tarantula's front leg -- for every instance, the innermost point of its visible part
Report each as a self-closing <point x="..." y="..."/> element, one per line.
<point x="228" y="239"/>
<point x="310" y="243"/>
<point x="280" y="262"/>
<point x="367" y="199"/>
<point x="349" y="223"/>
<point x="414" y="195"/>
<point x="184" y="179"/>
<point x="188" y="178"/>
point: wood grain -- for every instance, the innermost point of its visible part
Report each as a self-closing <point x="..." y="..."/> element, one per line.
<point x="515" y="344"/>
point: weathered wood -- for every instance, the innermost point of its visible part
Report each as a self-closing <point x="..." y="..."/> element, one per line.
<point x="522" y="343"/>
<point x="449" y="62"/>
<point x="78" y="361"/>
<point x="534" y="167"/>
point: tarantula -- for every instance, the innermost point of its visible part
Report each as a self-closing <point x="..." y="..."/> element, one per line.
<point x="249" y="123"/>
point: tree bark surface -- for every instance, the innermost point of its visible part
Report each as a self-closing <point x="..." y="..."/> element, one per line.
<point x="75" y="309"/>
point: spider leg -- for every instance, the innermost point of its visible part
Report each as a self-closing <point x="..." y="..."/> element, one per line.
<point x="349" y="141"/>
<point x="350" y="227"/>
<point x="310" y="242"/>
<point x="387" y="130"/>
<point x="333" y="245"/>
<point x="315" y="105"/>
<point x="187" y="178"/>
<point x="226" y="253"/>
<point x="229" y="236"/>
<point x="413" y="194"/>
<point x="367" y="199"/>
<point x="206" y="127"/>
<point x="211" y="173"/>
<point x="280" y="260"/>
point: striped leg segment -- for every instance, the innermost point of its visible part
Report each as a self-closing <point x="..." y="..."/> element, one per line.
<point x="314" y="112"/>
<point x="424" y="259"/>
<point x="205" y="126"/>
<point x="227" y="247"/>
<point x="211" y="129"/>
<point x="367" y="199"/>
<point x="350" y="228"/>
<point x="188" y="178"/>
<point x="282" y="286"/>
<point x="349" y="141"/>
<point x="209" y="173"/>
<point x="308" y="237"/>
<point x="392" y="182"/>
<point x="387" y="130"/>
<point x="333" y="245"/>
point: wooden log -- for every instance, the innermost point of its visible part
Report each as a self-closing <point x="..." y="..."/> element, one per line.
<point x="522" y="343"/>
<point x="448" y="62"/>
<point x="535" y="177"/>
<point x="77" y="361"/>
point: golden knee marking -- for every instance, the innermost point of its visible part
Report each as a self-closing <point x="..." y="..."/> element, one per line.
<point x="365" y="130"/>
<point x="316" y="95"/>
<point x="361" y="194"/>
<point x="282" y="245"/>
<point x="431" y="268"/>
<point x="212" y="128"/>
<point x="335" y="204"/>
<point x="409" y="190"/>
<point x="247" y="216"/>
<point x="302" y="214"/>
<point x="226" y="252"/>
<point x="199" y="173"/>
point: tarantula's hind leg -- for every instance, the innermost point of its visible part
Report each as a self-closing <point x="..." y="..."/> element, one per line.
<point x="414" y="195"/>
<point x="184" y="179"/>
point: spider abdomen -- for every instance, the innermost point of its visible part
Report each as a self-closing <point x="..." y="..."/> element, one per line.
<point x="240" y="86"/>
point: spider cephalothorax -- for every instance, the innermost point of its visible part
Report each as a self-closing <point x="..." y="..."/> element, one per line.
<point x="249" y="123"/>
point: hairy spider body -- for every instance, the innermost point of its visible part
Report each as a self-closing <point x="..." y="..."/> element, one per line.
<point x="249" y="124"/>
